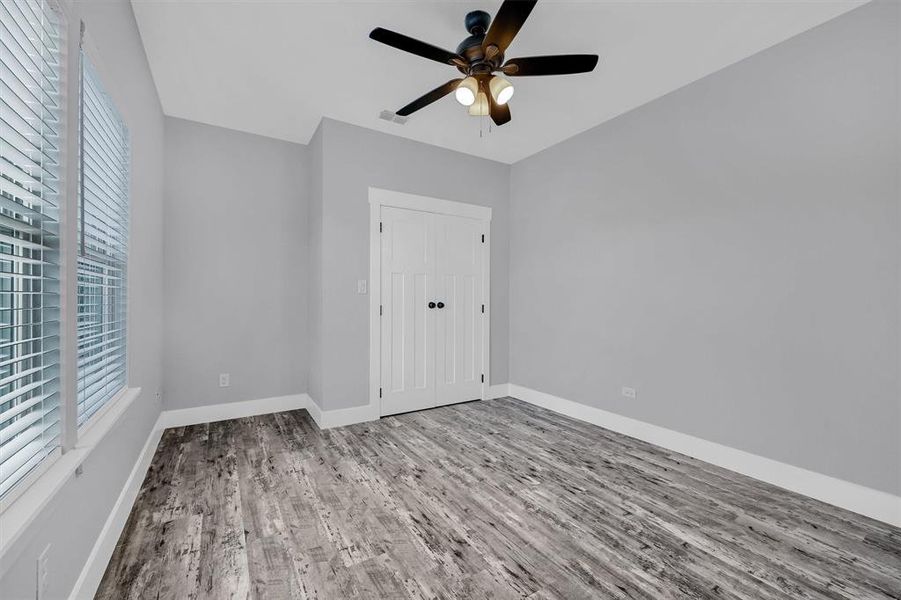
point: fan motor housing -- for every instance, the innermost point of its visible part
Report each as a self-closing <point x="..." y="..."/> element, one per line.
<point x="467" y="46"/>
<point x="477" y="23"/>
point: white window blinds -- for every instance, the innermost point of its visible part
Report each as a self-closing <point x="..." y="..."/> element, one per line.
<point x="103" y="206"/>
<point x="31" y="125"/>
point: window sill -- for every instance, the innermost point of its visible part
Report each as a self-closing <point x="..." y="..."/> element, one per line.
<point x="98" y="418"/>
<point x="23" y="510"/>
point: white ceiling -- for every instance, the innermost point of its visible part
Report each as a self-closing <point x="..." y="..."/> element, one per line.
<point x="275" y="68"/>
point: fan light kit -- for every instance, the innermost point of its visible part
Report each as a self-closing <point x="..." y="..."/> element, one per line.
<point x="479" y="108"/>
<point x="480" y="56"/>
<point x="467" y="91"/>
<point x="501" y="89"/>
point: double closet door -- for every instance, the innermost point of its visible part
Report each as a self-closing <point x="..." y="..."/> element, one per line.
<point x="432" y="309"/>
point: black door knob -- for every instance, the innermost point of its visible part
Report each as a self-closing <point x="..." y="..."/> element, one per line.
<point x="432" y="305"/>
<point x="441" y="305"/>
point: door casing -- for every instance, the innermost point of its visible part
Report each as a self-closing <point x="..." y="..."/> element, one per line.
<point x="377" y="199"/>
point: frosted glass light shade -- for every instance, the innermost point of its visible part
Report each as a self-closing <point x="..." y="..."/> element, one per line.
<point x="479" y="108"/>
<point x="501" y="89"/>
<point x="466" y="91"/>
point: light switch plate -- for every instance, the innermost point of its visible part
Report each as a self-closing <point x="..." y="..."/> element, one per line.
<point x="362" y="286"/>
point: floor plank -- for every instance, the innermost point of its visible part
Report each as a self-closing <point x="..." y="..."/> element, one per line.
<point x="496" y="499"/>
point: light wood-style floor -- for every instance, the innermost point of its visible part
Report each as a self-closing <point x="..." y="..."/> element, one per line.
<point x="495" y="499"/>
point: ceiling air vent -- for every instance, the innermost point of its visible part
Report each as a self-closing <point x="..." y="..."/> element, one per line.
<point x="390" y="115"/>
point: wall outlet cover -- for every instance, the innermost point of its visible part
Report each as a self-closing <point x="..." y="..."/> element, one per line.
<point x="224" y="380"/>
<point x="629" y="392"/>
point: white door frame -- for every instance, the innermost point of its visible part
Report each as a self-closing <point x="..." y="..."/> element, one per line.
<point x="379" y="198"/>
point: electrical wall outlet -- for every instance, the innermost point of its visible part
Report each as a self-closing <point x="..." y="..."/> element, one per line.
<point x="224" y="380"/>
<point x="629" y="392"/>
<point x="361" y="286"/>
<point x="43" y="574"/>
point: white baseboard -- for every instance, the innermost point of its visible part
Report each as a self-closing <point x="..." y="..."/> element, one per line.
<point x="361" y="414"/>
<point x="92" y="573"/>
<point x="315" y="411"/>
<point x="231" y="410"/>
<point x="19" y="513"/>
<point x="326" y="419"/>
<point x="248" y="408"/>
<point x="844" y="494"/>
<point x="498" y="391"/>
<point x="866" y="501"/>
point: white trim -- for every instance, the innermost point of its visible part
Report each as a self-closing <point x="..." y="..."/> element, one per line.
<point x="247" y="408"/>
<point x="92" y="572"/>
<point x="486" y="300"/>
<point x="19" y="488"/>
<point x="866" y="501"/>
<point x="231" y="410"/>
<point x="342" y="416"/>
<point x="68" y="268"/>
<point x="844" y="494"/>
<point x="364" y="413"/>
<point x="102" y="551"/>
<point x="375" y="300"/>
<point x="377" y="199"/>
<point x="98" y="414"/>
<point x="94" y="567"/>
<point x="381" y="197"/>
<point x="18" y="515"/>
<point x="315" y="411"/>
<point x="500" y="390"/>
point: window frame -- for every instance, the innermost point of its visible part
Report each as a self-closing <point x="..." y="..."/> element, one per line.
<point x="41" y="468"/>
<point x="71" y="291"/>
<point x="20" y="505"/>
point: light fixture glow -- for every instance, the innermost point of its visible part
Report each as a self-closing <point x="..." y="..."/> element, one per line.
<point x="501" y="89"/>
<point x="479" y="108"/>
<point x="466" y="91"/>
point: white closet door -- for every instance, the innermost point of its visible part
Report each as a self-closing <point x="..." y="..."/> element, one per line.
<point x="407" y="323"/>
<point x="458" y="370"/>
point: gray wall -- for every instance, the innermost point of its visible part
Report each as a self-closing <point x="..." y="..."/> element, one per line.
<point x="732" y="251"/>
<point x="237" y="267"/>
<point x="353" y="160"/>
<point x="73" y="519"/>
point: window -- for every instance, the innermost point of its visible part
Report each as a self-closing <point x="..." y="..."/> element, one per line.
<point x="47" y="177"/>
<point x="102" y="246"/>
<point x="31" y="127"/>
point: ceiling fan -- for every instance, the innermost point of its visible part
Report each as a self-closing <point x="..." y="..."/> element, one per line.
<point x="481" y="55"/>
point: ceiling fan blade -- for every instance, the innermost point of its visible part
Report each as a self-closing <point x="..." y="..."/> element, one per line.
<point x="563" y="64"/>
<point x="499" y="113"/>
<point x="506" y="24"/>
<point x="437" y="94"/>
<point x="414" y="46"/>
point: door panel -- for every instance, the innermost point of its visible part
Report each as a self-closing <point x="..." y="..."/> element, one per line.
<point x="430" y="357"/>
<point x="407" y="324"/>
<point x="458" y="254"/>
